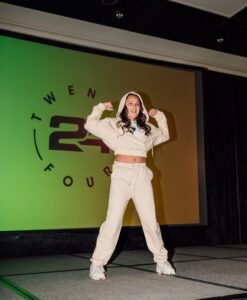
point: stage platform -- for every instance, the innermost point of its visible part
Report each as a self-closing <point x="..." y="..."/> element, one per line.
<point x="203" y="272"/>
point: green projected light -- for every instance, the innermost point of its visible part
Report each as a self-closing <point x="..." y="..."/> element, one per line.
<point x="51" y="164"/>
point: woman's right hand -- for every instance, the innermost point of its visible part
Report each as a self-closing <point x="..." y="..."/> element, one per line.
<point x="108" y="106"/>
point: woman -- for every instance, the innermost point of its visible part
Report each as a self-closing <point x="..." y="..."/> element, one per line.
<point x="130" y="136"/>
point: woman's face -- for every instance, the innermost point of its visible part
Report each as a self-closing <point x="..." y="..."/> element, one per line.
<point x="133" y="106"/>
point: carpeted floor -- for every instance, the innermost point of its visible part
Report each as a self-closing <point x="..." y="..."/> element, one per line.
<point x="204" y="272"/>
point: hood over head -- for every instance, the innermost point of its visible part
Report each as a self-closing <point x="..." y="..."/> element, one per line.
<point x="122" y="104"/>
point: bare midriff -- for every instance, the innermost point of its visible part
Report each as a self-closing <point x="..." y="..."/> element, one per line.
<point x="130" y="158"/>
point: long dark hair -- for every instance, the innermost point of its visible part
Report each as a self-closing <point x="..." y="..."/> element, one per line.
<point x="140" y="120"/>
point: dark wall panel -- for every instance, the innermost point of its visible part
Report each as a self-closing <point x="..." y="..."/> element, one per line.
<point x="225" y="146"/>
<point x="240" y="115"/>
<point x="219" y="158"/>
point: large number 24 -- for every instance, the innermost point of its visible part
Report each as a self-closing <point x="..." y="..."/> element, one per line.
<point x="80" y="134"/>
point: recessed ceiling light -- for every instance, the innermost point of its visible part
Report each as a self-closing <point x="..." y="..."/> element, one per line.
<point x="220" y="40"/>
<point x="119" y="14"/>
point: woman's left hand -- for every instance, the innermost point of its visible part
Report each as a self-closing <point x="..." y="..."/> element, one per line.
<point x="152" y="112"/>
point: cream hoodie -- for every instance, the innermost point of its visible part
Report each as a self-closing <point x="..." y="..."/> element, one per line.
<point x="126" y="143"/>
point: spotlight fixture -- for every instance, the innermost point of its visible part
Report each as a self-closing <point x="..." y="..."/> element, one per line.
<point x="119" y="14"/>
<point x="220" y="40"/>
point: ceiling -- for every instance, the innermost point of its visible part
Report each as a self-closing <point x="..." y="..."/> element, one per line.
<point x="213" y="24"/>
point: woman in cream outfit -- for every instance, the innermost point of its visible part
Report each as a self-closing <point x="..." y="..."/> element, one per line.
<point x="130" y="136"/>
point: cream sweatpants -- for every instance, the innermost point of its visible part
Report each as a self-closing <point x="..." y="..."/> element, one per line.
<point x="129" y="180"/>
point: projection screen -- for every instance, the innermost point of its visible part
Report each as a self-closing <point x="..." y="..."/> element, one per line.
<point x="54" y="174"/>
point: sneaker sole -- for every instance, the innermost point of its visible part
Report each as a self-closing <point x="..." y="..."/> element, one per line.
<point x="100" y="278"/>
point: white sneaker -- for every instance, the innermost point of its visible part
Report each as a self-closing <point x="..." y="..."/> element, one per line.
<point x="97" y="272"/>
<point x="165" y="268"/>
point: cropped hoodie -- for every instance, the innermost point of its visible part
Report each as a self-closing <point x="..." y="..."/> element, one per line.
<point x="125" y="142"/>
